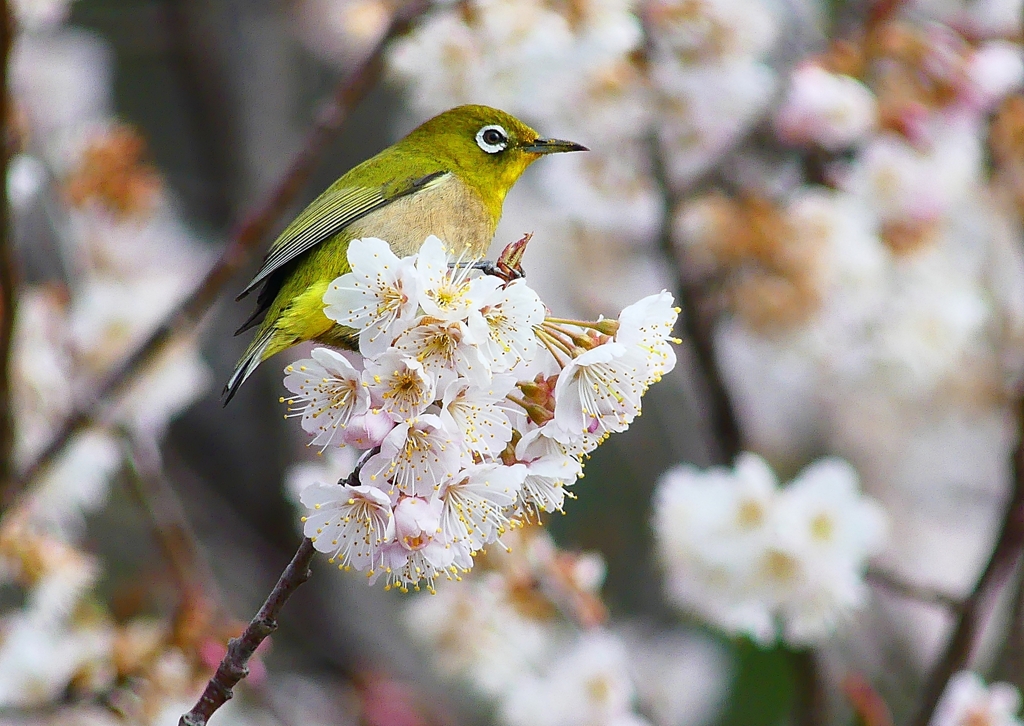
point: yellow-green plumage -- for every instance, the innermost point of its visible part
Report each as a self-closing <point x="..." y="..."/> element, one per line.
<point x="445" y="178"/>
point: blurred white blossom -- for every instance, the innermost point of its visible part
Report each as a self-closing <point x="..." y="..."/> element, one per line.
<point x="755" y="558"/>
<point x="588" y="683"/>
<point x="831" y="110"/>
<point x="967" y="700"/>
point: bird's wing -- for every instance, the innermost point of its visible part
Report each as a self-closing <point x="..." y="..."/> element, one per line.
<point x="330" y="213"/>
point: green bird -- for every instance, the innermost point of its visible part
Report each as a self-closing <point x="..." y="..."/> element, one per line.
<point x="448" y="177"/>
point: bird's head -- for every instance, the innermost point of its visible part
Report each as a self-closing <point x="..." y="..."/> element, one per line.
<point x="487" y="148"/>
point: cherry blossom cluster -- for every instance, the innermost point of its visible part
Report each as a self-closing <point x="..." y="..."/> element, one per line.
<point x="473" y="408"/>
<point x="750" y="556"/>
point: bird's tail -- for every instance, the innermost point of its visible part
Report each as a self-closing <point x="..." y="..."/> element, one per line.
<point x="249" y="361"/>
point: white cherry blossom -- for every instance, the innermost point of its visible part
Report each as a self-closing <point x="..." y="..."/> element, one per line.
<point x="828" y="109"/>
<point x="750" y="556"/>
<point x="350" y="523"/>
<point x="479" y="413"/>
<point x="478" y="501"/>
<point x="369" y="429"/>
<point x="967" y="701"/>
<point x="328" y="392"/>
<point x="420" y="551"/>
<point x="504" y="326"/>
<point x="398" y="384"/>
<point x="823" y="513"/>
<point x="587" y="684"/>
<point x="647" y="324"/>
<point x="447" y="292"/>
<point x="417" y="457"/>
<point x="599" y="391"/>
<point x="446" y="351"/>
<point x="548" y="472"/>
<point x="378" y="298"/>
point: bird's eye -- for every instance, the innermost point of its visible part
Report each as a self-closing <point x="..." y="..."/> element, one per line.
<point x="492" y="139"/>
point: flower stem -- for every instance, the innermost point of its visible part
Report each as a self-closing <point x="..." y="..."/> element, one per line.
<point x="518" y="400"/>
<point x="555" y="346"/>
<point x="601" y="326"/>
<point x="561" y="337"/>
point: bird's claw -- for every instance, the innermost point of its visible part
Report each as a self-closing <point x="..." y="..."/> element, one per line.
<point x="488" y="267"/>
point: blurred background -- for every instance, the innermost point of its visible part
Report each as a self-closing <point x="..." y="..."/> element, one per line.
<point x="832" y="190"/>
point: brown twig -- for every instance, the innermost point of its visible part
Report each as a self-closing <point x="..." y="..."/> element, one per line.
<point x="1001" y="563"/>
<point x="910" y="591"/>
<point x="726" y="441"/>
<point x="234" y="667"/>
<point x="8" y="276"/>
<point x="246" y="237"/>
<point x="1010" y="660"/>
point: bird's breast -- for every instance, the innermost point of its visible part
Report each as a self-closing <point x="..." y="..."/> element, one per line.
<point x="449" y="209"/>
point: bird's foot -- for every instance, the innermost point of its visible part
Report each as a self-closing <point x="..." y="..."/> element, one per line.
<point x="508" y="274"/>
<point x="508" y="266"/>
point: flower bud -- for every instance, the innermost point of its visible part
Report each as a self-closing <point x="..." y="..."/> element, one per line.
<point x="368" y="430"/>
<point x="416" y="522"/>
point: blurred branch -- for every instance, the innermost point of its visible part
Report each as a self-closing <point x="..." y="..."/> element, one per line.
<point x="246" y="237"/>
<point x="234" y="667"/>
<point x="194" y="62"/>
<point x="898" y="586"/>
<point x="170" y="526"/>
<point x="698" y="326"/>
<point x="1010" y="662"/>
<point x="8" y="276"/>
<point x="811" y="707"/>
<point x="1001" y="563"/>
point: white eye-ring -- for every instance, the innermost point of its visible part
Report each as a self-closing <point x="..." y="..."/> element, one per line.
<point x="492" y="138"/>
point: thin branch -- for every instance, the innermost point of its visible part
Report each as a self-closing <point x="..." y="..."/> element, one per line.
<point x="178" y="542"/>
<point x="246" y="238"/>
<point x="698" y="327"/>
<point x="234" y="667"/>
<point x="204" y="94"/>
<point x="811" y="707"/>
<point x="927" y="595"/>
<point x="8" y="276"/>
<point x="1005" y="553"/>
<point x="1010" y="661"/>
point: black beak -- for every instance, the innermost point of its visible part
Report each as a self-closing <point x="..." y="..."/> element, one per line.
<point x="552" y="146"/>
